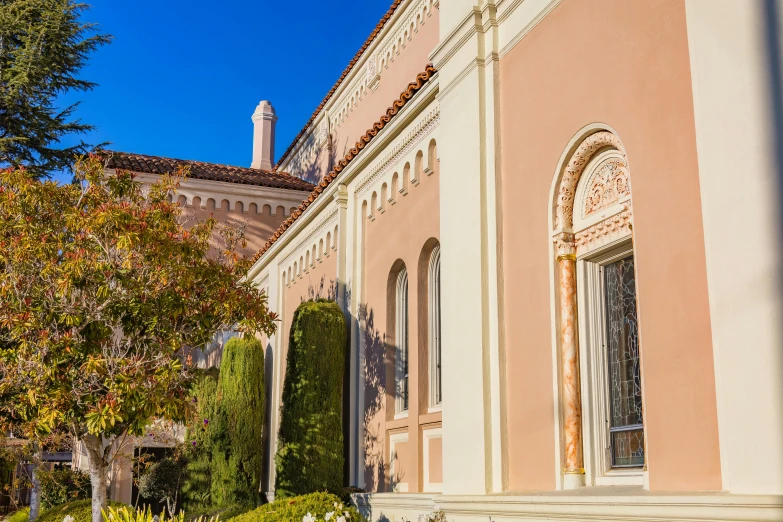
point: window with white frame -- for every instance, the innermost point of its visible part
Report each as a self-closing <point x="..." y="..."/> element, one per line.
<point x="401" y="373"/>
<point x="608" y="316"/>
<point x="436" y="394"/>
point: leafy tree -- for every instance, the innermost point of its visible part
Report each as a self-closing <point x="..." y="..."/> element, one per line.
<point x="44" y="44"/>
<point x="103" y="288"/>
<point x="161" y="482"/>
<point x="310" y="455"/>
<point x="237" y="456"/>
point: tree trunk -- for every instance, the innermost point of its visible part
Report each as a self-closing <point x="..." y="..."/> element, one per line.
<point x="35" y="493"/>
<point x="99" y="470"/>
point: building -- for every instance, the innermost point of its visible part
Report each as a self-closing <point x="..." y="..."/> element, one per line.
<point x="558" y="247"/>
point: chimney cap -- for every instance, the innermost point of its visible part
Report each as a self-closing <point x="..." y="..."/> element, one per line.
<point x="265" y="111"/>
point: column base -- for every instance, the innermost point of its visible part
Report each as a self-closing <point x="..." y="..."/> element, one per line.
<point x="646" y="478"/>
<point x="573" y="480"/>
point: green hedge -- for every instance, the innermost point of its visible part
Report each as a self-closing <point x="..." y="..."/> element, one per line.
<point x="310" y="456"/>
<point x="237" y="455"/>
<point x="200" y="440"/>
<point x="81" y="511"/>
<point x="295" y="508"/>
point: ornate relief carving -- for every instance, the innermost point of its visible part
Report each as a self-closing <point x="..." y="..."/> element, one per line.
<point x="607" y="184"/>
<point x="564" y="209"/>
<point x="605" y="232"/>
<point x="564" y="245"/>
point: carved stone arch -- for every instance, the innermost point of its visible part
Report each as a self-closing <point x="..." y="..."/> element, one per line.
<point x="566" y="190"/>
<point x="603" y="146"/>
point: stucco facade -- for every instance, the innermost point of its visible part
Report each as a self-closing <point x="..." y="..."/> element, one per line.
<point x="496" y="163"/>
<point x="558" y="252"/>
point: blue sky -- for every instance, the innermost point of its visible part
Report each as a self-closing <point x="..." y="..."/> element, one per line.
<point x="182" y="78"/>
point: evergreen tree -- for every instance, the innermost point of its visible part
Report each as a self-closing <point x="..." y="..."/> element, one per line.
<point x="44" y="44"/>
<point x="237" y="456"/>
<point x="310" y="455"/>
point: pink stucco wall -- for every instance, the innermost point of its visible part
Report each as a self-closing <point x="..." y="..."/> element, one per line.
<point x="261" y="222"/>
<point x="624" y="64"/>
<point x="403" y="235"/>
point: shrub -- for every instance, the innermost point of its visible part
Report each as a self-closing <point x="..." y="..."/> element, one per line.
<point x="200" y="441"/>
<point x="161" y="482"/>
<point x="237" y="456"/>
<point x="80" y="510"/>
<point x="310" y="456"/>
<point x="20" y="515"/>
<point x="62" y="485"/>
<point x="294" y="509"/>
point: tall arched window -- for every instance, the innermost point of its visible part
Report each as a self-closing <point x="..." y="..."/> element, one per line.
<point x="402" y="342"/>
<point x="436" y="394"/>
<point x="598" y="319"/>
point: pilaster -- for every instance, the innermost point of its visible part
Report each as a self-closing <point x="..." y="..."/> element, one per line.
<point x="471" y="296"/>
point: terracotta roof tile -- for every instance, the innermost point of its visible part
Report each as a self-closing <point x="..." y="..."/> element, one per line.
<point x="385" y="18"/>
<point x="407" y="94"/>
<point x="206" y="171"/>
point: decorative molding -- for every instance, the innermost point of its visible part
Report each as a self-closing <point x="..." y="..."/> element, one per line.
<point x="295" y="250"/>
<point x="564" y="209"/>
<point x="608" y="182"/>
<point x="398" y="104"/>
<point x="408" y="143"/>
<point x="417" y="14"/>
<point x="605" y="232"/>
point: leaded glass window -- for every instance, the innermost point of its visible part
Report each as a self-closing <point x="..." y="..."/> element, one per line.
<point x="402" y="341"/>
<point x="436" y="395"/>
<point x="626" y="430"/>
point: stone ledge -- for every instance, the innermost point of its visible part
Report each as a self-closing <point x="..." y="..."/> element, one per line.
<point x="589" y="504"/>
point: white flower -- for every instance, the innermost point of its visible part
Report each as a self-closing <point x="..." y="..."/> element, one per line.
<point x="329" y="515"/>
<point x="340" y="519"/>
<point x="336" y="504"/>
<point x="347" y="515"/>
<point x="68" y="518"/>
<point x="308" y="518"/>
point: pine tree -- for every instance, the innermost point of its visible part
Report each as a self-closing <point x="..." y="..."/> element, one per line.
<point x="44" y="44"/>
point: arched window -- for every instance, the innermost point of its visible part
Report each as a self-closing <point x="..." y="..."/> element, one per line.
<point x="436" y="394"/>
<point x="401" y="372"/>
<point x="596" y="288"/>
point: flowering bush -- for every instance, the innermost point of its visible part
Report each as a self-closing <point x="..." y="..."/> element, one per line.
<point x="436" y="515"/>
<point x="315" y="507"/>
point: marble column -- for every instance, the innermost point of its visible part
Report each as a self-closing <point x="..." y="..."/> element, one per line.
<point x="574" y="473"/>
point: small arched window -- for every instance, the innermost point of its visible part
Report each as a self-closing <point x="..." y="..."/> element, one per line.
<point x="401" y="373"/>
<point x="436" y="394"/>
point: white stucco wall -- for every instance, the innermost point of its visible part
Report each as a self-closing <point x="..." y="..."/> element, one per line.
<point x="734" y="100"/>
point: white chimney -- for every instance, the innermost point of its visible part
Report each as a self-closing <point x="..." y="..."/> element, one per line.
<point x="264" y="119"/>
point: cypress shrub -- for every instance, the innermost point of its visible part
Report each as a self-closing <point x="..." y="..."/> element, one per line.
<point x="237" y="454"/>
<point x="310" y="455"/>
<point x="200" y="440"/>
